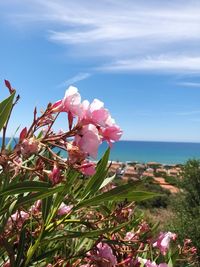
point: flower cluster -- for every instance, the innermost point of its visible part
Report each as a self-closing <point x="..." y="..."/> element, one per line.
<point x="94" y="125"/>
<point x="89" y="125"/>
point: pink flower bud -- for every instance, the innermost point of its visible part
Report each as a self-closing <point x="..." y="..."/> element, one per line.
<point x="55" y="175"/>
<point x="8" y="85"/>
<point x="23" y="134"/>
<point x="64" y="209"/>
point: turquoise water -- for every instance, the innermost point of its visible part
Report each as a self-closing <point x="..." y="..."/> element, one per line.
<point x="144" y="151"/>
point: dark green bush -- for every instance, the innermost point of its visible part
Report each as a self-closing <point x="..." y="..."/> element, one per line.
<point x="186" y="205"/>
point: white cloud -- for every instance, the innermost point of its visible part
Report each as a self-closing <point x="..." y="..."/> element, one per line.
<point x="190" y="84"/>
<point x="188" y="113"/>
<point x="184" y="64"/>
<point x="73" y="80"/>
<point x="132" y="35"/>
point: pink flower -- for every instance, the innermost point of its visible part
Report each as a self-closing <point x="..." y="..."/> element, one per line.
<point x="97" y="114"/>
<point x="111" y="134"/>
<point x="18" y="218"/>
<point x="70" y="103"/>
<point x="89" y="140"/>
<point x="105" y="252"/>
<point x="93" y="113"/>
<point x="74" y="153"/>
<point x="149" y="263"/>
<point x="36" y="207"/>
<point x="7" y="264"/>
<point x="88" y="168"/>
<point x="55" y="175"/>
<point x="163" y="241"/>
<point x="29" y="146"/>
<point x="129" y="236"/>
<point x="64" y="209"/>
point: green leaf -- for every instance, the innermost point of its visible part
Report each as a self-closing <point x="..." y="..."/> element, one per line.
<point x="46" y="207"/>
<point x="9" y="145"/>
<point x="170" y="263"/>
<point x="107" y="181"/>
<point x="60" y="197"/>
<point x="97" y="179"/>
<point x="120" y="193"/>
<point x="89" y="234"/>
<point x="31" y="198"/>
<point x="5" y="108"/>
<point x="20" y="247"/>
<point x="26" y="186"/>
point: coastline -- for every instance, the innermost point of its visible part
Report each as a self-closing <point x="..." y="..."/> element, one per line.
<point x="148" y="151"/>
<point x="163" y="174"/>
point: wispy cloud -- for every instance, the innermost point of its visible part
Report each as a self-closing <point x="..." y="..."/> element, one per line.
<point x="73" y="80"/>
<point x="188" y="113"/>
<point x="190" y="84"/>
<point x="133" y="35"/>
<point x="164" y="63"/>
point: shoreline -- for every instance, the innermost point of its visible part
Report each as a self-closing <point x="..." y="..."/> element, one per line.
<point x="162" y="174"/>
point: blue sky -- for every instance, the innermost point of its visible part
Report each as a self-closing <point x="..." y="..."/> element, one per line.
<point x="141" y="58"/>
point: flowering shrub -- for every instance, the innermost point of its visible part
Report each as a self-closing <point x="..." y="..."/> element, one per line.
<point x="57" y="211"/>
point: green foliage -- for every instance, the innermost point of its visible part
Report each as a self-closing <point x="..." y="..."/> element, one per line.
<point x="5" y="109"/>
<point x="15" y="194"/>
<point x="172" y="180"/>
<point x="161" y="201"/>
<point x="187" y="204"/>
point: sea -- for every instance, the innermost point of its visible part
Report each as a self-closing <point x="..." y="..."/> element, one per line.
<point x="148" y="151"/>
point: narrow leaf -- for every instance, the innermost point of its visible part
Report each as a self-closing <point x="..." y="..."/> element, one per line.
<point x="46" y="207"/>
<point x="21" y="245"/>
<point x="5" y="108"/>
<point x="26" y="186"/>
<point x="120" y="193"/>
<point x="89" y="234"/>
<point x="107" y="181"/>
<point x="97" y="179"/>
<point x="31" y="198"/>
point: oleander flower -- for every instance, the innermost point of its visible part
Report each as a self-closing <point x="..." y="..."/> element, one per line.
<point x="29" y="146"/>
<point x="88" y="140"/>
<point x="55" y="175"/>
<point x="70" y="103"/>
<point x="163" y="241"/>
<point x="88" y="168"/>
<point x="153" y="264"/>
<point x="129" y="236"/>
<point x="17" y="219"/>
<point x="64" y="209"/>
<point x="111" y="134"/>
<point x="7" y="264"/>
<point x="148" y="263"/>
<point x="104" y="256"/>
